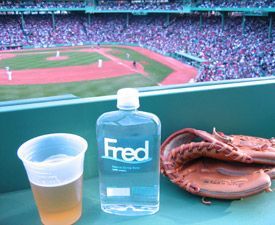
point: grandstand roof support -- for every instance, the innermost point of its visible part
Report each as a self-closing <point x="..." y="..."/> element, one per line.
<point x="243" y="24"/>
<point x="270" y="26"/>
<point x="201" y="19"/>
<point x="127" y="19"/>
<point x="196" y="2"/>
<point x="53" y="20"/>
<point x="22" y="21"/>
<point x="168" y="18"/>
<point x="91" y="2"/>
<point x="89" y="18"/>
<point x="222" y="15"/>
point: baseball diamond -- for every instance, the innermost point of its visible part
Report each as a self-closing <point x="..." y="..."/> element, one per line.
<point x="39" y="73"/>
<point x="94" y="47"/>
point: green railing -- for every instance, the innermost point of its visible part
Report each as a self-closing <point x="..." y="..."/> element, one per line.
<point x="232" y="106"/>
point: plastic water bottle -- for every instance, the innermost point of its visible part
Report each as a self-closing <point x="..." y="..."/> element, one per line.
<point x="128" y="154"/>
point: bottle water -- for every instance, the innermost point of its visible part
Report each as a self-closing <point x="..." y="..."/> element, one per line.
<point x="128" y="153"/>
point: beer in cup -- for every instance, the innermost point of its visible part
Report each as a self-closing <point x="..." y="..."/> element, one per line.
<point x="54" y="165"/>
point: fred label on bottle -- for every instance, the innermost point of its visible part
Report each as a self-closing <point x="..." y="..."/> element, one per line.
<point x="125" y="154"/>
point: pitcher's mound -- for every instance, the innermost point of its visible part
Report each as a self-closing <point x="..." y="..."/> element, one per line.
<point x="54" y="58"/>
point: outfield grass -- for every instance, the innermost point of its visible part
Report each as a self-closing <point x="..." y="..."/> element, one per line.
<point x="24" y="61"/>
<point x="80" y="89"/>
<point x="157" y="71"/>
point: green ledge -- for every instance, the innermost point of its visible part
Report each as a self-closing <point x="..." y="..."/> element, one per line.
<point x="177" y="207"/>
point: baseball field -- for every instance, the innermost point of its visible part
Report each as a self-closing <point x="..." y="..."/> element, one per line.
<point x="86" y="71"/>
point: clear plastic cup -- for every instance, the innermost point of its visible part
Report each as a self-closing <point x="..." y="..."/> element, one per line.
<point x="54" y="165"/>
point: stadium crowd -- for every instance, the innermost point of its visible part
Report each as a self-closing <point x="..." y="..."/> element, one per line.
<point x="237" y="3"/>
<point x="68" y="30"/>
<point x="229" y="53"/>
<point x="133" y="5"/>
<point x="40" y="4"/>
<point x="11" y="32"/>
<point x="115" y="5"/>
<point x="178" y="5"/>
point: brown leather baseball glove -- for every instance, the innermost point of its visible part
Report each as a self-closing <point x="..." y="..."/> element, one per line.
<point x="217" y="165"/>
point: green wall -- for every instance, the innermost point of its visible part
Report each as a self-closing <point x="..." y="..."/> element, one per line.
<point x="240" y="108"/>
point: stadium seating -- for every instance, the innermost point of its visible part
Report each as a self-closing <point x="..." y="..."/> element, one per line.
<point x="177" y="5"/>
<point x="114" y="5"/>
<point x="134" y="5"/>
<point x="232" y="51"/>
<point x="16" y="4"/>
<point x="237" y="3"/>
<point x="11" y="32"/>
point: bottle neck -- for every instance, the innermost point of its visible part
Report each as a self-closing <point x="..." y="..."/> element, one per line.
<point x="128" y="110"/>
